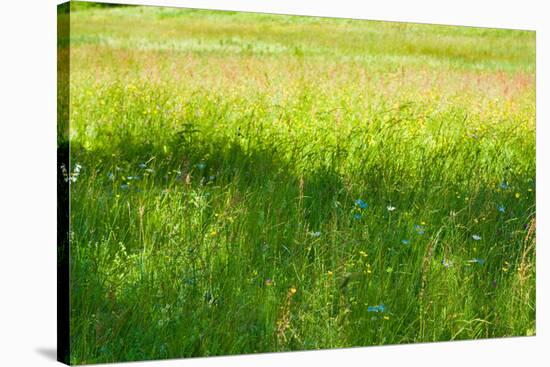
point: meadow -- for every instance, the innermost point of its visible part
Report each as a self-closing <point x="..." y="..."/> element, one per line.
<point x="245" y="183"/>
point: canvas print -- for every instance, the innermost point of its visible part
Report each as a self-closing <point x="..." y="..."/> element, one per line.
<point x="234" y="183"/>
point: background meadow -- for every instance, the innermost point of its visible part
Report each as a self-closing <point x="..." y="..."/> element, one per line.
<point x="246" y="183"/>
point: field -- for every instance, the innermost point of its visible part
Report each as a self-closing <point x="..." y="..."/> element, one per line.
<point x="245" y="183"/>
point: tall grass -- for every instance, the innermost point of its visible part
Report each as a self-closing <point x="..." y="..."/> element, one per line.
<point x="257" y="183"/>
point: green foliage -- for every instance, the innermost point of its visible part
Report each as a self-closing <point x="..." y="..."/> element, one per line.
<point x="221" y="158"/>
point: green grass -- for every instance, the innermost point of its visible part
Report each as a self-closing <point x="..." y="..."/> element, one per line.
<point x="221" y="158"/>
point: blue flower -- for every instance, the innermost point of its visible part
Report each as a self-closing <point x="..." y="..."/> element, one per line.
<point x="360" y="203"/>
<point x="142" y="165"/>
<point x="315" y="234"/>
<point x="419" y="229"/>
<point x="501" y="208"/>
<point x="504" y="185"/>
<point x="477" y="261"/>
<point x="357" y="216"/>
<point x="406" y="242"/>
<point x="378" y="308"/>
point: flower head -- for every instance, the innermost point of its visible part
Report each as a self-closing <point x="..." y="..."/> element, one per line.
<point x="477" y="261"/>
<point x="501" y="208"/>
<point x="390" y="208"/>
<point x="419" y="229"/>
<point x="378" y="308"/>
<point x="476" y="237"/>
<point x="405" y="242"/>
<point x="361" y="204"/>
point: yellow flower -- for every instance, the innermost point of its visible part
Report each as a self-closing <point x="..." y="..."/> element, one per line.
<point x="518" y="195"/>
<point x="386" y="317"/>
<point x="293" y="290"/>
<point x="330" y="273"/>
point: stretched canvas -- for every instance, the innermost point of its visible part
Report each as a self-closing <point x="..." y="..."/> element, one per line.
<point x="234" y="183"/>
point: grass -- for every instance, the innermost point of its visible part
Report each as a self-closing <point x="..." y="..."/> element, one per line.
<point x="256" y="183"/>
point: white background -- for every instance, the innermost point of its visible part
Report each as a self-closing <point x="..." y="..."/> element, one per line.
<point x="28" y="191"/>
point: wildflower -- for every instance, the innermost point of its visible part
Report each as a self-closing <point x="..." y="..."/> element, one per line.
<point x="504" y="185"/>
<point x="446" y="263"/>
<point x="378" y="308"/>
<point x="477" y="261"/>
<point x="330" y="273"/>
<point x="75" y="173"/>
<point x="390" y="208"/>
<point x="363" y="253"/>
<point x="64" y="172"/>
<point x="406" y="242"/>
<point x="142" y="165"/>
<point x="361" y="204"/>
<point x="419" y="229"/>
<point x="476" y="237"/>
<point x="315" y="234"/>
<point x="268" y="282"/>
<point x="293" y="290"/>
<point x="518" y="195"/>
<point x="501" y="208"/>
<point x="386" y="318"/>
<point x="357" y="216"/>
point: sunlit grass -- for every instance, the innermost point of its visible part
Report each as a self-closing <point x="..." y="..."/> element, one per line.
<point x="257" y="183"/>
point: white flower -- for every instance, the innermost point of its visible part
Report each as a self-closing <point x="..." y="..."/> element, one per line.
<point x="390" y="208"/>
<point x="476" y="237"/>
